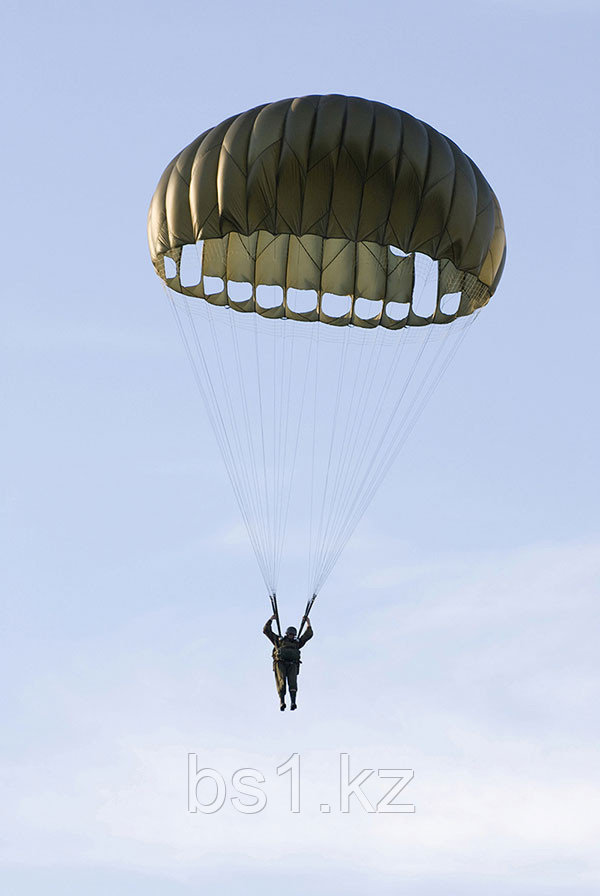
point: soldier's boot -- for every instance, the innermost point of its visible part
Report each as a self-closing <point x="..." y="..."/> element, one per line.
<point x="293" y="699"/>
<point x="282" y="702"/>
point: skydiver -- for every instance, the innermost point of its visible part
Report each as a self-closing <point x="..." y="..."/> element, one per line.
<point x="286" y="658"/>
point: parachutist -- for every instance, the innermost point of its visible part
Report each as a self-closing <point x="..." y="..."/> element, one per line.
<point x="286" y="658"/>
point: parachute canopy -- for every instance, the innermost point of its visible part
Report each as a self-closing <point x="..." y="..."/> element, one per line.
<point x="346" y="230"/>
<point x="331" y="194"/>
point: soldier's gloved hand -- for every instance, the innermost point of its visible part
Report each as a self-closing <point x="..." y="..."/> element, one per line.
<point x="273" y="618"/>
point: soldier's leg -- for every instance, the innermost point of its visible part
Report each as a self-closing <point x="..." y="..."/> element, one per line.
<point x="292" y="677"/>
<point x="279" y="669"/>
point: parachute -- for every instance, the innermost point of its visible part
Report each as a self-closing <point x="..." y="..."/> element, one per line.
<point x="324" y="257"/>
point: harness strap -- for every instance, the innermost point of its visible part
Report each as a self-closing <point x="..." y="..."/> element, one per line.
<point x="275" y="608"/>
<point x="309" y="606"/>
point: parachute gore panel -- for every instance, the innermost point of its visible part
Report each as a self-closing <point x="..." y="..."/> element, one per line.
<point x="333" y="194"/>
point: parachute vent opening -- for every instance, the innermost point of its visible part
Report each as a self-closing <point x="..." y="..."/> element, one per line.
<point x="424" y="301"/>
<point x="269" y="296"/>
<point x="450" y="302"/>
<point x="190" y="266"/>
<point x="397" y="310"/>
<point x="302" y="301"/>
<point x="368" y="309"/>
<point x="170" y="268"/>
<point x="334" y="305"/>
<point x="213" y="285"/>
<point x="354" y="285"/>
<point x="239" y="291"/>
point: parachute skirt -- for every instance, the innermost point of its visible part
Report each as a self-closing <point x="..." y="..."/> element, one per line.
<point x="335" y="272"/>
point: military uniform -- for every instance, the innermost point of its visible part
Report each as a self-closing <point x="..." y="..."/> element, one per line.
<point x="286" y="672"/>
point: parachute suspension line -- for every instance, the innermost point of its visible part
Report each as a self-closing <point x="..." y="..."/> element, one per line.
<point x="247" y="492"/>
<point x="363" y="412"/>
<point x="278" y="378"/>
<point x="262" y="427"/>
<point x="283" y="473"/>
<point x="254" y="491"/>
<point x="311" y="546"/>
<point x="213" y="409"/>
<point x="354" y="440"/>
<point x="365" y="449"/>
<point x="247" y="499"/>
<point x="340" y="381"/>
<point x="361" y="450"/>
<point x="433" y="384"/>
<point x="358" y="501"/>
<point x="288" y="490"/>
<point x="350" y="440"/>
<point x="215" y="416"/>
<point x="382" y="458"/>
<point x="356" y="418"/>
<point x="275" y="455"/>
<point x="400" y="436"/>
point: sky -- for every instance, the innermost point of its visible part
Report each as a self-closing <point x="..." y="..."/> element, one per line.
<point x="458" y="635"/>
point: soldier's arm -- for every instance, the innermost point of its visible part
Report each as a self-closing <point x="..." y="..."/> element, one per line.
<point x="307" y="635"/>
<point x="268" y="631"/>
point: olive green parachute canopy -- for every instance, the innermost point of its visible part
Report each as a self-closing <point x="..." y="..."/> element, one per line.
<point x="333" y="194"/>
<point x="338" y="210"/>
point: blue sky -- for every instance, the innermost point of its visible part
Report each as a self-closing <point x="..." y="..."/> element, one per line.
<point x="458" y="634"/>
